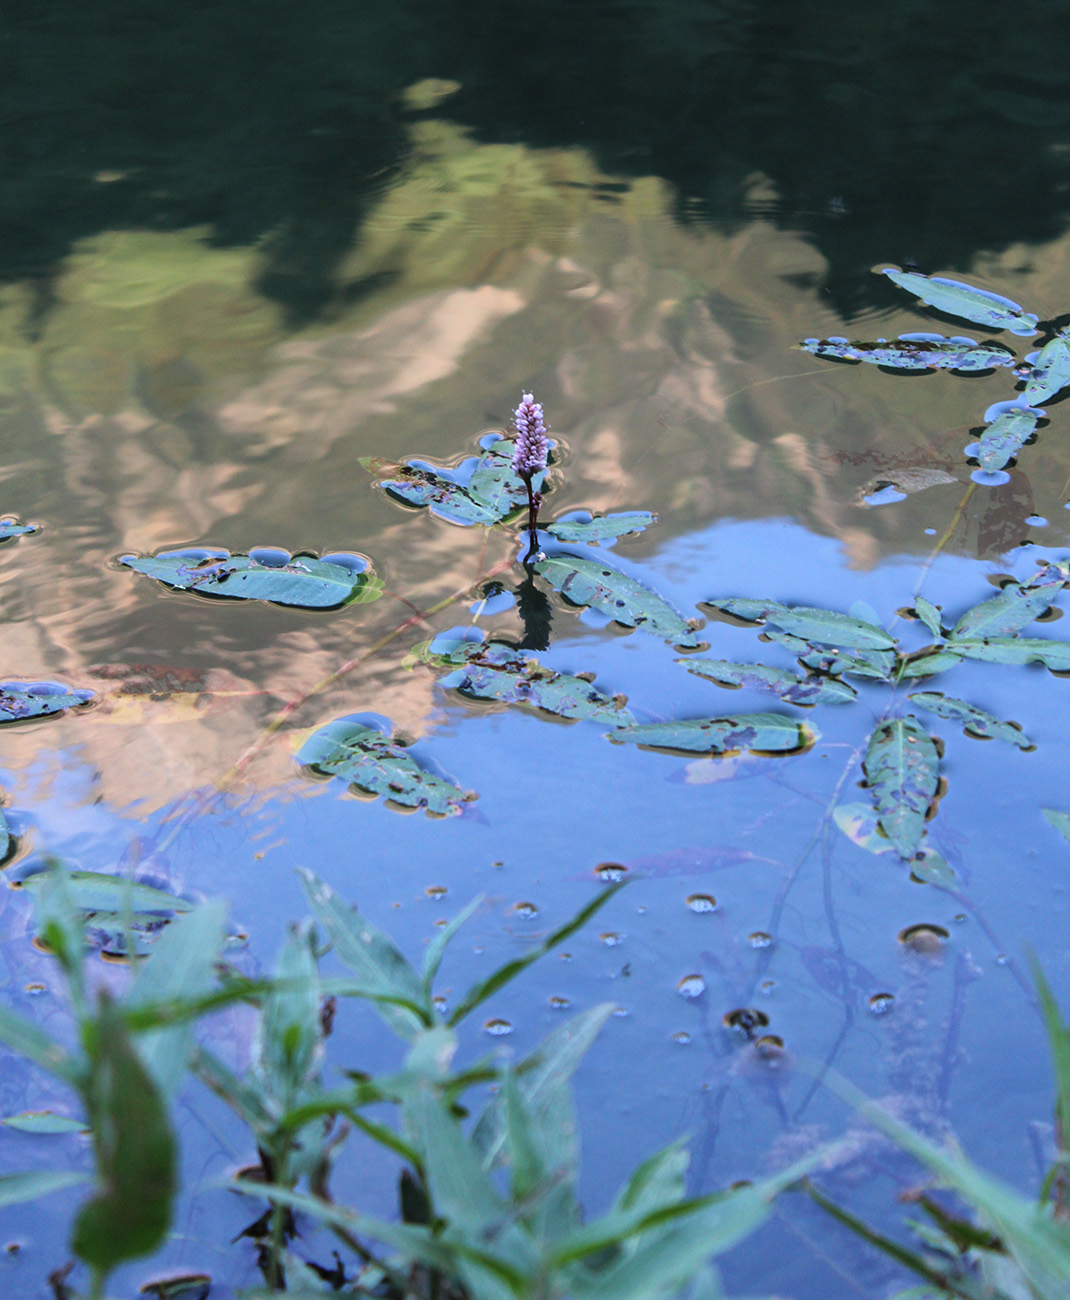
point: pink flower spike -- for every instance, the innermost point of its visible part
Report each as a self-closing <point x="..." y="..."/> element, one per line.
<point x="530" y="451"/>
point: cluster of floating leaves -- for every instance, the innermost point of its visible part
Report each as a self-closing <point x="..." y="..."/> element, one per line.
<point x="1009" y="425"/>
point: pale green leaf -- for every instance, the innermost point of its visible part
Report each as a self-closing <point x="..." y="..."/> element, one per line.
<point x="974" y="721"/>
<point x="756" y="733"/>
<point x="818" y="626"/>
<point x="966" y="301"/>
<point x="784" y="685"/>
<point x="614" y="594"/>
<point x="902" y="771"/>
<point x="302" y="580"/>
<point x="17" y="1188"/>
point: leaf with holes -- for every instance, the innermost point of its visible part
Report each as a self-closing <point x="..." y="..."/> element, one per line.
<point x="803" y="691"/>
<point x="1005" y="436"/>
<point x="610" y="592"/>
<point x="495" y="483"/>
<point x="916" y="352"/>
<point x="966" y="301"/>
<point x="276" y="576"/>
<point x="370" y="761"/>
<point x="877" y="665"/>
<point x="1054" y="655"/>
<point x="817" y="626"/>
<point x="758" y="733"/>
<point x="581" y="526"/>
<point x="20" y="701"/>
<point x="902" y="771"/>
<point x="975" y="721"/>
<point x="494" y="671"/>
<point x="858" y="821"/>
<point x="1051" y="370"/>
<point x="1005" y="614"/>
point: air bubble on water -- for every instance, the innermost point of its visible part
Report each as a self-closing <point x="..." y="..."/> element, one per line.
<point x="745" y="1020"/>
<point x="1036" y="521"/>
<point x="881" y="1003"/>
<point x="35" y="987"/>
<point x="526" y="910"/>
<point x="439" y="1002"/>
<point x="925" y="938"/>
<point x="702" y="902"/>
<point x="621" y="1012"/>
<point x="767" y="987"/>
<point x="691" y="986"/>
<point x="1001" y="959"/>
<point x="930" y="532"/>
<point x="558" y="1003"/>
<point x="497" y="1028"/>
<point x="609" y="873"/>
<point x="436" y="892"/>
<point x="990" y="477"/>
<point x="610" y="938"/>
<point x="681" y="1036"/>
<point x="441" y="923"/>
<point x="566" y="956"/>
<point x="759" y="939"/>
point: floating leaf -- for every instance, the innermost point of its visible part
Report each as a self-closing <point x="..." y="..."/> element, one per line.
<point x="1017" y="650"/>
<point x="879" y="665"/>
<point x="1003" y="438"/>
<point x="22" y="700"/>
<point x="581" y="526"/>
<point x="901" y="767"/>
<point x="966" y="301"/>
<point x="17" y="1188"/>
<point x="927" y="662"/>
<point x="929" y="615"/>
<point x="610" y="592"/>
<point x="44" y="1121"/>
<point x="97" y="892"/>
<point x="759" y="733"/>
<point x="495" y="483"/>
<point x="264" y="574"/>
<point x="916" y="352"/>
<point x="10" y="527"/>
<point x="1060" y="820"/>
<point x="430" y="491"/>
<point x="493" y="671"/>
<point x="1051" y="370"/>
<point x="786" y="686"/>
<point x="1005" y="614"/>
<point x="820" y="626"/>
<point x="370" y="761"/>
<point x="5" y="837"/>
<point x="975" y="721"/>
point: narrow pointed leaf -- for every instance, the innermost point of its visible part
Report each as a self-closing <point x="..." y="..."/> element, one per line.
<point x="1051" y="370"/>
<point x="757" y="733"/>
<point x="1017" y="650"/>
<point x="610" y="592"/>
<point x="817" y="626"/>
<point x="966" y="301"/>
<point x="1059" y="1044"/>
<point x="372" y="957"/>
<point x="784" y="685"/>
<point x="96" y="891"/>
<point x="44" y="1121"/>
<point x="28" y="1040"/>
<point x="599" y="528"/>
<point x="1004" y="437"/>
<point x="902" y="771"/>
<point x="929" y="615"/>
<point x="974" y="721"/>
<point x="288" y="1040"/>
<point x="370" y="761"/>
<point x="301" y="580"/>
<point x="442" y="937"/>
<point x="916" y="352"/>
<point x="1005" y="614"/>
<point x="20" y="701"/>
<point x="927" y="662"/>
<point x="15" y="1189"/>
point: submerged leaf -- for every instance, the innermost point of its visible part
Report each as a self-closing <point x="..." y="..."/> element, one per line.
<point x="96" y="891"/>
<point x="22" y="700"/>
<point x="1051" y="370"/>
<point x="494" y="671"/>
<point x="370" y="761"/>
<point x="17" y="1188"/>
<point x="902" y="770"/>
<point x="584" y="527"/>
<point x="966" y="301"/>
<point x="1005" y="614"/>
<point x="818" y="626"/>
<point x="1004" y="437"/>
<point x="916" y="352"/>
<point x="975" y="721"/>
<point x="44" y="1121"/>
<point x="610" y="592"/>
<point x="786" y="686"/>
<point x="277" y="576"/>
<point x="759" y="733"/>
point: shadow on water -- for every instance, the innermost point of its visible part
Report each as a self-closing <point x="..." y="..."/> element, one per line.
<point x="908" y="132"/>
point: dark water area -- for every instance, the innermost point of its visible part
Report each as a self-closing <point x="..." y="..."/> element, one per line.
<point x="244" y="249"/>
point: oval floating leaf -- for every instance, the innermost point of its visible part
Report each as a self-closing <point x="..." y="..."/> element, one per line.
<point x="1003" y="438"/>
<point x="10" y="527"/>
<point x="97" y="892"/>
<point x="370" y="761"/>
<point x="584" y="527"/>
<point x="610" y="592"/>
<point x="44" y="1121"/>
<point x="966" y="301"/>
<point x="22" y="700"/>
<point x="927" y="662"/>
<point x="902" y="770"/>
<point x="818" y="626"/>
<point x="495" y="483"/>
<point x="916" y="352"/>
<point x="276" y="576"/>
<point x="1005" y="614"/>
<point x="804" y="691"/>
<point x="758" y="733"/>
<point x="1017" y="650"/>
<point x="858" y="821"/>
<point x="929" y="615"/>
<point x="493" y="671"/>
<point x="1051" y="370"/>
<point x="975" y="721"/>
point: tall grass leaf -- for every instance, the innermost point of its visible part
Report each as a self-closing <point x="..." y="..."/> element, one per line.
<point x="1059" y="1041"/>
<point x="135" y="1151"/>
<point x="460" y="1188"/>
<point x="436" y="949"/>
<point x="526" y="1165"/>
<point x="372" y="957"/>
<point x="17" y="1188"/>
<point x="25" y="1038"/>
<point x="182" y="965"/>
<point x="289" y="1030"/>
<point x="243" y="1097"/>
<point x="479" y="993"/>
<point x="59" y="923"/>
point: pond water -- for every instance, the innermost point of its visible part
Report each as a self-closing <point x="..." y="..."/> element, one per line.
<point x="202" y="374"/>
